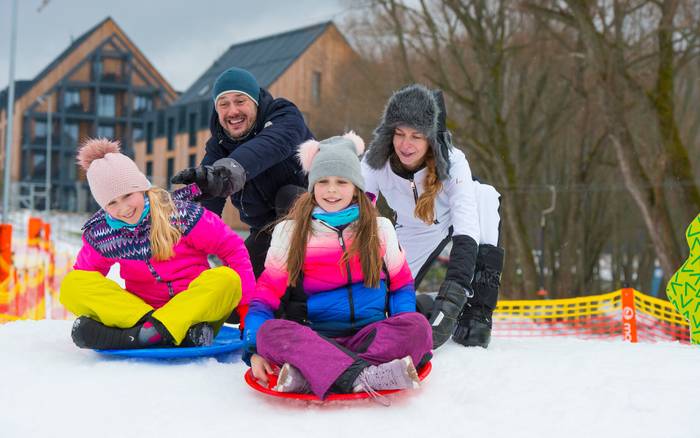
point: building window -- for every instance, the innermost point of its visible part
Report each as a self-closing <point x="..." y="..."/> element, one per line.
<point x="171" y="170"/>
<point x="71" y="99"/>
<point x="149" y="170"/>
<point x="160" y="123"/>
<point x="97" y="68"/>
<point x="171" y="133"/>
<point x="204" y="112"/>
<point x="192" y="160"/>
<point x="316" y="87"/>
<point x="192" y="139"/>
<point x="38" y="164"/>
<point x="182" y="119"/>
<point x="70" y="172"/>
<point x="70" y="133"/>
<point x="106" y="131"/>
<point x="136" y="133"/>
<point x="149" y="137"/>
<point x="40" y="130"/>
<point x="142" y="104"/>
<point x="106" y="105"/>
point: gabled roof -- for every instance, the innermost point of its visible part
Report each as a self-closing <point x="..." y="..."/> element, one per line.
<point x="266" y="58"/>
<point x="21" y="86"/>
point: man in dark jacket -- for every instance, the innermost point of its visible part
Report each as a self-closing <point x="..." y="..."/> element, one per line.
<point x="251" y="157"/>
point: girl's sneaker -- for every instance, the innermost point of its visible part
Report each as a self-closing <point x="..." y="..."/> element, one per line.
<point x="397" y="374"/>
<point x="290" y="379"/>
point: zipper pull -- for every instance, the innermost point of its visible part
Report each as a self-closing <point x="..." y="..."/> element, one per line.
<point x="415" y="191"/>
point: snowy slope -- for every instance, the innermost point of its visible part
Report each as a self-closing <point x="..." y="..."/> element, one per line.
<point x="516" y="388"/>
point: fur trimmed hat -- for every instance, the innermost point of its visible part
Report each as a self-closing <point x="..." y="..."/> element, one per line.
<point x="335" y="156"/>
<point x="419" y="108"/>
<point x="110" y="174"/>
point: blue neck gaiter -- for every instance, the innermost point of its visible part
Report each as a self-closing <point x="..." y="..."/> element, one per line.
<point x="338" y="218"/>
<point x="117" y="224"/>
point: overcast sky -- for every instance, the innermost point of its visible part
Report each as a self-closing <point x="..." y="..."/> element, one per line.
<point x="181" y="38"/>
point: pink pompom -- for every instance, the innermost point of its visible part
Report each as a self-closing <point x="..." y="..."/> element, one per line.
<point x="356" y="140"/>
<point x="306" y="154"/>
<point x="94" y="149"/>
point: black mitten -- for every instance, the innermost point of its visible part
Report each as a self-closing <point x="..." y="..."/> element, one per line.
<point x="220" y="180"/>
<point x="446" y="309"/>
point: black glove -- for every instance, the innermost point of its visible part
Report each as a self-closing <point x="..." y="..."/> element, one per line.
<point x="446" y="309"/>
<point x="220" y="180"/>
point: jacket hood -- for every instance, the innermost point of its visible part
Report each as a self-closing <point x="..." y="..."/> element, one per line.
<point x="422" y="109"/>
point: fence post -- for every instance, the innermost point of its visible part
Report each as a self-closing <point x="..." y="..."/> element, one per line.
<point x="34" y="229"/>
<point x="5" y="251"/>
<point x="629" y="315"/>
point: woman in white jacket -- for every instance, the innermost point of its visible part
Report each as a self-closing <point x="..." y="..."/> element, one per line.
<point x="429" y="185"/>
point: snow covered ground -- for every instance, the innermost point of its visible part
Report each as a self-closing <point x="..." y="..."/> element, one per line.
<point x="516" y="388"/>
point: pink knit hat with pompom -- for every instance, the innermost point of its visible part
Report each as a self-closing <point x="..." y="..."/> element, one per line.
<point x="110" y="173"/>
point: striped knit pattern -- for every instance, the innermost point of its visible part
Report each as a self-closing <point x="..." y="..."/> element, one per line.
<point x="135" y="244"/>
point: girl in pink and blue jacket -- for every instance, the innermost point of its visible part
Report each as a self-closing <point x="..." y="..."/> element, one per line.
<point x="338" y="280"/>
<point x="172" y="297"/>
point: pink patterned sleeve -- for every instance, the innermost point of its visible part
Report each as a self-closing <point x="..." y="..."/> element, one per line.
<point x="89" y="259"/>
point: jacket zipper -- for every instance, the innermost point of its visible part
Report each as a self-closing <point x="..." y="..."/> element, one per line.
<point x="349" y="285"/>
<point x="415" y="196"/>
<point x="171" y="291"/>
<point x="415" y="190"/>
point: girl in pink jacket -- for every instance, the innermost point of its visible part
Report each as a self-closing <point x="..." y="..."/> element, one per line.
<point x="339" y="282"/>
<point x="172" y="297"/>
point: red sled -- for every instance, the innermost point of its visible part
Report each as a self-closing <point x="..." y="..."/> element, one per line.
<point x="272" y="381"/>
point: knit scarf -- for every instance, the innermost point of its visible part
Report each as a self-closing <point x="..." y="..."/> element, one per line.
<point x="337" y="218"/>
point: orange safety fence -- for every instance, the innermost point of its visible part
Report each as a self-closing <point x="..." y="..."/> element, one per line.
<point x="30" y="289"/>
<point x="627" y="314"/>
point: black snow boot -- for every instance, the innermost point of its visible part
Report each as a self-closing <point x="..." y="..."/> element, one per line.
<point x="446" y="309"/>
<point x="474" y="327"/>
<point x="475" y="322"/>
<point x="89" y="333"/>
<point x="199" y="335"/>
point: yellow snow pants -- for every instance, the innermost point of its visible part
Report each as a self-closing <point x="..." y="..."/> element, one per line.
<point x="683" y="290"/>
<point x="209" y="298"/>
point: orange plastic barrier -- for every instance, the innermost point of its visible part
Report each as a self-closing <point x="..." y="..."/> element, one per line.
<point x="5" y="252"/>
<point x="626" y="313"/>
<point x="31" y="292"/>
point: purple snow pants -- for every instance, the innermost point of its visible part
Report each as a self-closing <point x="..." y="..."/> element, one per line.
<point x="322" y="362"/>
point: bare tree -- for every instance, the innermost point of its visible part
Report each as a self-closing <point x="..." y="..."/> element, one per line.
<point x="630" y="48"/>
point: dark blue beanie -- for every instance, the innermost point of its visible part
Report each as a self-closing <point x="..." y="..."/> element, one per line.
<point x="236" y="80"/>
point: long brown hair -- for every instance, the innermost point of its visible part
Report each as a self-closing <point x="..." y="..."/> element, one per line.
<point x="164" y="235"/>
<point x="425" y="206"/>
<point x="365" y="242"/>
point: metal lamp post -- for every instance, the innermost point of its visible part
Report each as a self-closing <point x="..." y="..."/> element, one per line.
<point x="10" y="118"/>
<point x="543" y="224"/>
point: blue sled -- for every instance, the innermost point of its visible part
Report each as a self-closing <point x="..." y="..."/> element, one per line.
<point x="226" y="342"/>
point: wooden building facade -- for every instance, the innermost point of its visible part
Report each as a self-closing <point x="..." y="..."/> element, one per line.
<point x="100" y="86"/>
<point x="303" y="66"/>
